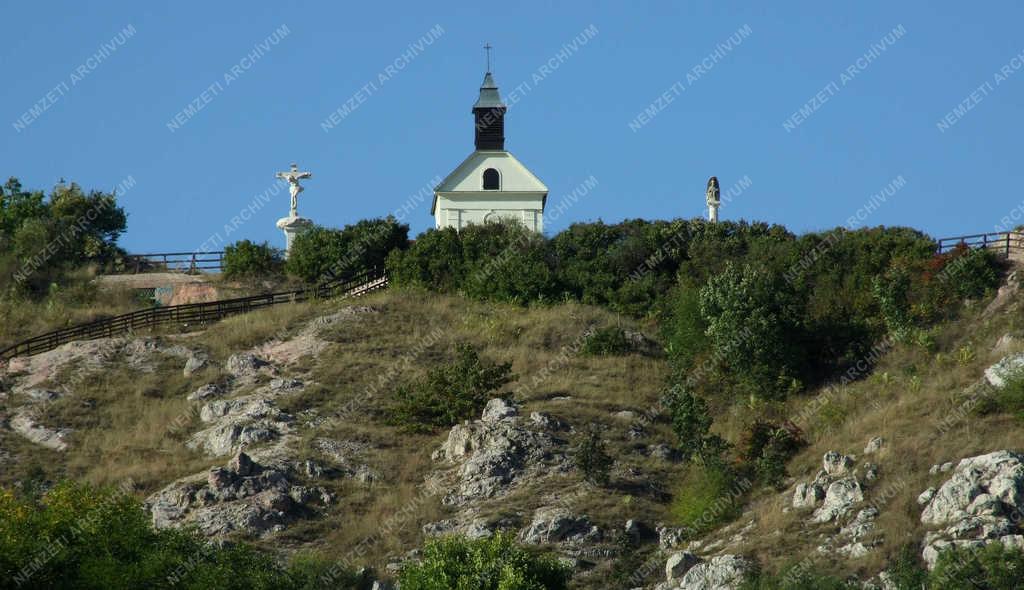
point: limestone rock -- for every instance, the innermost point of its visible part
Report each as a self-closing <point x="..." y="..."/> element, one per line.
<point x="678" y="564"/>
<point x="807" y="496"/>
<point x="194" y="364"/>
<point x="976" y="505"/>
<point x="723" y="572"/>
<point x="498" y="409"/>
<point x="208" y="391"/>
<point x="558" y="525"/>
<point x="25" y="424"/>
<point x="837" y="464"/>
<point x="998" y="374"/>
<point x="494" y="455"/>
<point x="840" y="497"/>
<point x="244" y="364"/>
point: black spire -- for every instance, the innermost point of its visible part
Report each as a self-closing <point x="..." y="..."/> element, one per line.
<point x="489" y="114"/>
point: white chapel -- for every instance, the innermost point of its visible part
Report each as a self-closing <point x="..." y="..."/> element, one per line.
<point x="491" y="183"/>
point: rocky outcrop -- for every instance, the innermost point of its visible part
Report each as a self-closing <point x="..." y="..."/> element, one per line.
<point x="494" y="454"/>
<point x="980" y="503"/>
<point x="723" y="572"/>
<point x="24" y="423"/>
<point x="558" y="525"/>
<point x="238" y="422"/>
<point x="242" y="497"/>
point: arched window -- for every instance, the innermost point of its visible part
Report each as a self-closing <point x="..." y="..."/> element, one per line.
<point x="492" y="181"/>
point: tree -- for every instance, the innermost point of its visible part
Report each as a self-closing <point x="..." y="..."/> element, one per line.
<point x="245" y="259"/>
<point x="753" y="319"/>
<point x="322" y="254"/>
<point x="592" y="458"/>
<point x="691" y="422"/>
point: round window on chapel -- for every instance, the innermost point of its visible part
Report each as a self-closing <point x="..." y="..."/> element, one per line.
<point x="492" y="180"/>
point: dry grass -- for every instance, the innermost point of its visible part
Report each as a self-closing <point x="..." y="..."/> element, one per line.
<point x="915" y="400"/>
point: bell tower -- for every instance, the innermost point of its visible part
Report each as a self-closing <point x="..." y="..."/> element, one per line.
<point x="489" y="113"/>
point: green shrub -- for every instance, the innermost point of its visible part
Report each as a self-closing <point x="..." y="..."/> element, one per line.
<point x="606" y="341"/>
<point x="993" y="567"/>
<point x="591" y="457"/>
<point x="906" y="570"/>
<point x="684" y="329"/>
<point x="455" y="563"/>
<point x="505" y="261"/>
<point x="434" y="261"/>
<point x="753" y="320"/>
<point x="448" y="394"/>
<point x="76" y="536"/>
<point x="766" y="447"/>
<point x="691" y="422"/>
<point x="321" y="254"/>
<point x="245" y="259"/>
<point x="1008" y="399"/>
<point x="707" y="497"/>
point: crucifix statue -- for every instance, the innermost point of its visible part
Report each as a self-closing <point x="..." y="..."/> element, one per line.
<point x="293" y="177"/>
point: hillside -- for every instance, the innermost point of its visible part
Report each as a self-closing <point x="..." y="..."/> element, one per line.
<point x="305" y="389"/>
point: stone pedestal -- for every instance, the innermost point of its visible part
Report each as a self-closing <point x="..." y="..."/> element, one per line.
<point x="292" y="226"/>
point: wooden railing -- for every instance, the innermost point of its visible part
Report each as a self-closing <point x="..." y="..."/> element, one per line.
<point x="1003" y="243"/>
<point x="195" y="313"/>
<point x="187" y="262"/>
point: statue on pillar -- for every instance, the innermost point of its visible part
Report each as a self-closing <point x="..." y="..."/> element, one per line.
<point x="713" y="197"/>
<point x="293" y="225"/>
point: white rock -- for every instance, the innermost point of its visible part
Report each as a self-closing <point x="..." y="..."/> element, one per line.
<point x="926" y="496"/>
<point x="998" y="374"/>
<point x="193" y="365"/>
<point x="837" y="464"/>
<point x="724" y="572"/>
<point x="807" y="495"/>
<point x="678" y="564"/>
<point x="557" y="525"/>
<point x="498" y="409"/>
<point x="840" y="497"/>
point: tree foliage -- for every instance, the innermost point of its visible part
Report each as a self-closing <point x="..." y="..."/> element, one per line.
<point x="320" y="254"/>
<point x="245" y="259"/>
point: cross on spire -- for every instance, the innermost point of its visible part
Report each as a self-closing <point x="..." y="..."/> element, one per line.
<point x="488" y="48"/>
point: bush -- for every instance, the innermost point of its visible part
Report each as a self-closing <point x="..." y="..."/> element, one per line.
<point x="76" y="536"/>
<point x="707" y="497"/>
<point x="691" y="422"/>
<point x="322" y="254"/>
<point x="454" y="563"/>
<point x="753" y="320"/>
<point x="505" y="261"/>
<point x="766" y="447"/>
<point x="448" y="394"/>
<point x="993" y="567"/>
<point x="591" y="457"/>
<point x="246" y="259"/>
<point x="606" y="341"/>
<point x="1008" y="399"/>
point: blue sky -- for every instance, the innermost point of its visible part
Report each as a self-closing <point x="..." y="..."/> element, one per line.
<point x="732" y="77"/>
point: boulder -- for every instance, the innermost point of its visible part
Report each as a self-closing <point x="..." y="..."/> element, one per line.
<point x="998" y="374"/>
<point x="840" y="497"/>
<point x="498" y="409"/>
<point x="208" y="391"/>
<point x="678" y="564"/>
<point x="194" y="364"/>
<point x="836" y="464"/>
<point x="807" y="495"/>
<point x="724" y="572"/>
<point x="244" y="364"/>
<point x="558" y="525"/>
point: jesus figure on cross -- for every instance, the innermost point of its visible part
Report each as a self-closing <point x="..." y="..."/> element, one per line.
<point x="293" y="177"/>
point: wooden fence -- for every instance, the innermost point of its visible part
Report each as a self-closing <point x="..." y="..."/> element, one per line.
<point x="191" y="314"/>
<point x="186" y="262"/>
<point x="1007" y="244"/>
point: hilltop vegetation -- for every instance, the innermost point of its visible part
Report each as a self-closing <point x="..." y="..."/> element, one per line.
<point x="675" y="373"/>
